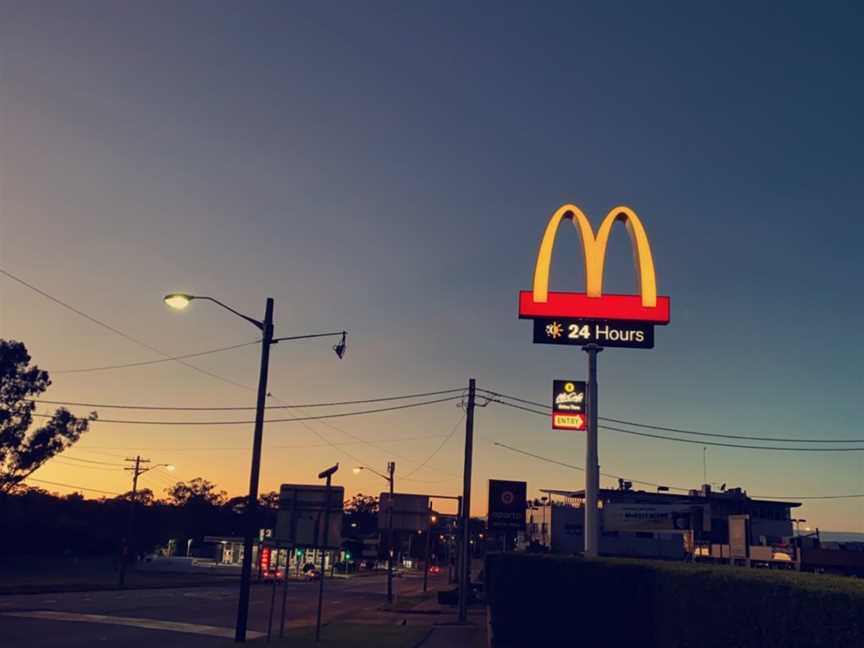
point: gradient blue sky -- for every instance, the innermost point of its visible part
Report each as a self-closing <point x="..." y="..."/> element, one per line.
<point x="389" y="169"/>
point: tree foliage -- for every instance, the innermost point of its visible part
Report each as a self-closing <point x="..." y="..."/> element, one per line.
<point x="22" y="450"/>
<point x="198" y="491"/>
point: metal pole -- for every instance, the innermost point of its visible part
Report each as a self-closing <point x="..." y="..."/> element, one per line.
<point x="465" y="571"/>
<point x="285" y="591"/>
<point x="428" y="551"/>
<point x="592" y="467"/>
<point x="323" y="553"/>
<point x="252" y="504"/>
<point x="124" y="552"/>
<point x="273" y="598"/>
<point x="391" y="470"/>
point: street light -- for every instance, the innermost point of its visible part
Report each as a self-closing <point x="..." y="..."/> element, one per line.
<point x="797" y="522"/>
<point x="391" y="469"/>
<point x="180" y="301"/>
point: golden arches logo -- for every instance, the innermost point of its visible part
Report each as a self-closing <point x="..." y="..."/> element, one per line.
<point x="592" y="303"/>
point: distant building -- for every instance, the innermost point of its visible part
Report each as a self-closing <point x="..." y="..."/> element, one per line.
<point x="665" y="525"/>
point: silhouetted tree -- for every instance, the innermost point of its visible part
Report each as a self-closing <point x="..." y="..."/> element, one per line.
<point x="23" y="452"/>
<point x="197" y="491"/>
<point x="144" y="496"/>
<point x="269" y="500"/>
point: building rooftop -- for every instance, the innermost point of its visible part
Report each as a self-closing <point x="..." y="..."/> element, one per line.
<point x="693" y="495"/>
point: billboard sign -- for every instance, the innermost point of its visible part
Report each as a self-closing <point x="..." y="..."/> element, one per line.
<point x="590" y="317"/>
<point x="646" y="517"/>
<point x="507" y="504"/>
<point x="569" y="398"/>
<point x="410" y="512"/>
<point x="300" y="520"/>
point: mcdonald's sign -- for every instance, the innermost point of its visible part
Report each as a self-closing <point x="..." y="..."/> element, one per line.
<point x="592" y="306"/>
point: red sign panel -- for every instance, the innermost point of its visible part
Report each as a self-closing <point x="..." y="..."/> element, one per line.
<point x="581" y="306"/>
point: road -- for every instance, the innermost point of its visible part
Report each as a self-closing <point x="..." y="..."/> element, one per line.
<point x="199" y="616"/>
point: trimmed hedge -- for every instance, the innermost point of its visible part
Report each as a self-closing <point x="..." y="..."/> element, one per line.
<point x="556" y="601"/>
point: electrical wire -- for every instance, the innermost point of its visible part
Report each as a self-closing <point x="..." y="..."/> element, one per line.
<point x="141" y="364"/>
<point x="299" y="446"/>
<point x="244" y="408"/>
<point x="92" y="490"/>
<point x="675" y="488"/>
<point x="279" y="420"/>
<point x="117" y="331"/>
<point x="693" y="441"/>
<point x="728" y="445"/>
<point x="680" y="430"/>
<point x="90" y="461"/>
<point x="580" y="468"/>
<point x="58" y="460"/>
<point x="437" y="450"/>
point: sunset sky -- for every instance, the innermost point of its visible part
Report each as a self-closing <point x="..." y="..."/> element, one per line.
<point x="388" y="168"/>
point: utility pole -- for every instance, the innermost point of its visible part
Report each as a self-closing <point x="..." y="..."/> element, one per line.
<point x="252" y="504"/>
<point x="127" y="539"/>
<point x="465" y="565"/>
<point x="592" y="463"/>
<point x="391" y="470"/>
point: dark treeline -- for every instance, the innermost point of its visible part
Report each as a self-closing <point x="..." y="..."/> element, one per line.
<point x="35" y="521"/>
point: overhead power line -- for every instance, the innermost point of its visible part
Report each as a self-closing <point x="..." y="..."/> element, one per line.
<point x="117" y="331"/>
<point x="168" y="408"/>
<point x="297" y="446"/>
<point x="90" y="461"/>
<point x="676" y="488"/>
<point x="280" y="420"/>
<point x="144" y="364"/>
<point x="580" y="468"/>
<point x="693" y="441"/>
<point x="546" y="411"/>
<point x="436" y="450"/>
<point x="66" y="462"/>
<point x="83" y="488"/>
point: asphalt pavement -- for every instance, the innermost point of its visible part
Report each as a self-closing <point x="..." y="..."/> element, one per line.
<point x="197" y="616"/>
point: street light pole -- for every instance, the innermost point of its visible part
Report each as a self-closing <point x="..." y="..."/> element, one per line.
<point x="252" y="503"/>
<point x="181" y="301"/>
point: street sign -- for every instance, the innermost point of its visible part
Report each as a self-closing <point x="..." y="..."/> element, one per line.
<point x="507" y="504"/>
<point x="410" y="512"/>
<point x="300" y="520"/>
<point x="606" y="333"/>
<point x="569" y="398"/>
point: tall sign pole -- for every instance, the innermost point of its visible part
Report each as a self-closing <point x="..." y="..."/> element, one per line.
<point x="465" y="564"/>
<point x="594" y="321"/>
<point x="592" y="461"/>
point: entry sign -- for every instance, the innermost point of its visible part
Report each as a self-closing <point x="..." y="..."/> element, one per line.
<point x="507" y="504"/>
<point x="568" y="405"/>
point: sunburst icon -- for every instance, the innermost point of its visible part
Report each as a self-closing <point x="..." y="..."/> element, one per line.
<point x="554" y="330"/>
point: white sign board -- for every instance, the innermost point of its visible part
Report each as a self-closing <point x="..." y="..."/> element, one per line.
<point x="646" y="517"/>
<point x="300" y="521"/>
<point x="410" y="512"/>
